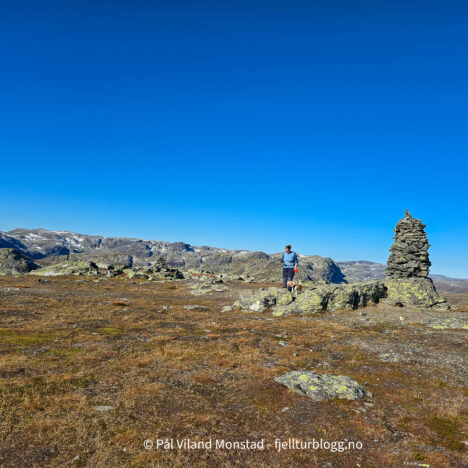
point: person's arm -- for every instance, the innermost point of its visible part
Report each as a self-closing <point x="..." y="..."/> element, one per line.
<point x="282" y="258"/>
<point x="296" y="260"/>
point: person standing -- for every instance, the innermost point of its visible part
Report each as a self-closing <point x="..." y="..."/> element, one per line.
<point x="290" y="261"/>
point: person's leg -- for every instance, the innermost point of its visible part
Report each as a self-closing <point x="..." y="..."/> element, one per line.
<point x="285" y="277"/>
<point x="290" y="277"/>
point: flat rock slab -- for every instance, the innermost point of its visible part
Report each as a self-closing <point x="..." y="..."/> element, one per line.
<point x="445" y="323"/>
<point x="322" y="387"/>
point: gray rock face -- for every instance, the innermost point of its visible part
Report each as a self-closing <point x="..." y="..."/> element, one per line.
<point x="43" y="244"/>
<point x="322" y="387"/>
<point x="408" y="265"/>
<point x="409" y="257"/>
<point x="14" y="263"/>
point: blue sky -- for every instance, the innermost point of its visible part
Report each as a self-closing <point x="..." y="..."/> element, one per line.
<point x="238" y="124"/>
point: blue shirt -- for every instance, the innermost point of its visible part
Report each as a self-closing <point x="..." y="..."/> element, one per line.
<point x="289" y="259"/>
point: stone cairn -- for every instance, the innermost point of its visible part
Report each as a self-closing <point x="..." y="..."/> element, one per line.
<point x="407" y="275"/>
<point x="409" y="256"/>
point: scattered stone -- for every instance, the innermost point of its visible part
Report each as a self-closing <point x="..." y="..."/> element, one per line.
<point x="227" y="309"/>
<point x="103" y="408"/>
<point x="79" y="268"/>
<point x="324" y="365"/>
<point x="446" y="323"/>
<point x="322" y="387"/>
<point x="408" y="265"/>
<point x="389" y="357"/>
<point x="210" y="288"/>
<point x="282" y="343"/>
<point x="285" y="409"/>
<point x="193" y="307"/>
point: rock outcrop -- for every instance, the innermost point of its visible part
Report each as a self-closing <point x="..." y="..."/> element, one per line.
<point x="13" y="262"/>
<point x="77" y="268"/>
<point x="58" y="246"/>
<point x="322" y="387"/>
<point x="311" y="301"/>
<point x="408" y="265"/>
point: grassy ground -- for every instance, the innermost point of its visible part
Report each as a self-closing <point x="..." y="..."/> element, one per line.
<point x="71" y="345"/>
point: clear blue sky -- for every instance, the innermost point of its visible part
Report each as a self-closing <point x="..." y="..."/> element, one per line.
<point x="243" y="124"/>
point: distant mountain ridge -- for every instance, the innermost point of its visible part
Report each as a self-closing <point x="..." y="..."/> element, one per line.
<point x="44" y="244"/>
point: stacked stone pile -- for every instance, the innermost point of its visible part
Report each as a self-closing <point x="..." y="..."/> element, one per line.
<point x="409" y="257"/>
<point x="408" y="265"/>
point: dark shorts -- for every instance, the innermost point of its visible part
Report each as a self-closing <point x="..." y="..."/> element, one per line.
<point x="288" y="275"/>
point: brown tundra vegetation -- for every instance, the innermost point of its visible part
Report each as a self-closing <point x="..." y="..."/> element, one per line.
<point x="91" y="369"/>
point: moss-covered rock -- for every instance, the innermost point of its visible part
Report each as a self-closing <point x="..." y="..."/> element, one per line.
<point x="418" y="292"/>
<point x="322" y="387"/>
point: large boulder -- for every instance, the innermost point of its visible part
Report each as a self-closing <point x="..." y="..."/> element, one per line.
<point x="334" y="297"/>
<point x="322" y="387"/>
<point x="314" y="300"/>
<point x="259" y="300"/>
<point x="417" y="292"/>
<point x="13" y="262"/>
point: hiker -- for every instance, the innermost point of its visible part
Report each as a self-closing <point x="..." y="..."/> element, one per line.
<point x="290" y="261"/>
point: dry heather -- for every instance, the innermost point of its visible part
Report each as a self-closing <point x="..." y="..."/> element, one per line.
<point x="70" y="346"/>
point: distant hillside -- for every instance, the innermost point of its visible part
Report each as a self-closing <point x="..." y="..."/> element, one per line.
<point x="46" y="247"/>
<point x="54" y="245"/>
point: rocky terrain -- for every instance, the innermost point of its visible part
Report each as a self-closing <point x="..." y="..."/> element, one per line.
<point x="91" y="366"/>
<point x="51" y="247"/>
<point x="13" y="262"/>
<point x="57" y="246"/>
<point x="105" y="343"/>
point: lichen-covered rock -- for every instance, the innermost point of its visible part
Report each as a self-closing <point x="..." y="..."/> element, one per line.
<point x="449" y="323"/>
<point x="156" y="272"/>
<point x="80" y="268"/>
<point x="418" y="292"/>
<point x="322" y="387"/>
<point x="259" y="300"/>
<point x="13" y="262"/>
<point x="210" y="288"/>
<point x="333" y="297"/>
